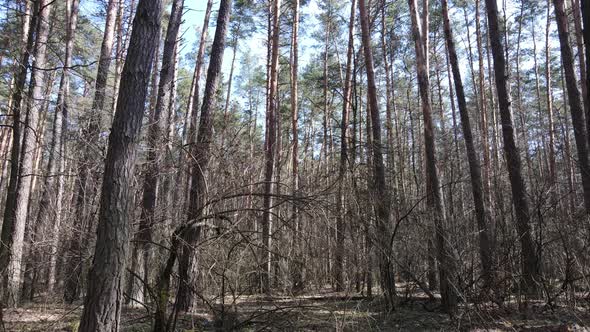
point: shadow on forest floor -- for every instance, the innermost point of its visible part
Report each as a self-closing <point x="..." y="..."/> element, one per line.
<point x="324" y="311"/>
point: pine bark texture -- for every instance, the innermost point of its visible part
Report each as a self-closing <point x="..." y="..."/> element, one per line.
<point x="445" y="256"/>
<point x="530" y="260"/>
<point x="13" y="190"/>
<point x="481" y="216"/>
<point x="142" y="251"/>
<point x="201" y="152"/>
<point x="340" y="198"/>
<point x="50" y="205"/>
<point x="383" y="201"/>
<point x="269" y="153"/>
<point x="17" y="204"/>
<point x="574" y="98"/>
<point x="84" y="186"/>
<point x="585" y="6"/>
<point x="192" y="112"/>
<point x="297" y="266"/>
<point x="103" y="302"/>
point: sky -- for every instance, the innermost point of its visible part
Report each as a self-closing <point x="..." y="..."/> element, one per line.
<point x="193" y="18"/>
<point x="192" y="24"/>
<point x="195" y="11"/>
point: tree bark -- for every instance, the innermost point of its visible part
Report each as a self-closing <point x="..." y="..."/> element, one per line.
<point x="85" y="187"/>
<point x="201" y="153"/>
<point x="235" y="43"/>
<point x="483" y="108"/>
<point x="50" y="203"/>
<point x="575" y="102"/>
<point x="382" y="199"/>
<point x="102" y="306"/>
<point x="576" y="9"/>
<point x="340" y="198"/>
<point x="143" y="238"/>
<point x="445" y="255"/>
<point x="482" y="218"/>
<point x="530" y="261"/>
<point x="17" y="201"/>
<point x="549" y="92"/>
<point x="15" y="105"/>
<point x="585" y="6"/>
<point x="269" y="153"/>
<point x="297" y="267"/>
<point x="190" y="122"/>
<point x="121" y="47"/>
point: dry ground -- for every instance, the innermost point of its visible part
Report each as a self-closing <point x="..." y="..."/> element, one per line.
<point x="325" y="311"/>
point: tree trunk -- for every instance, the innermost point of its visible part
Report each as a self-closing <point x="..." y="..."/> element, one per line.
<point x="549" y="92"/>
<point x="193" y="102"/>
<point x="390" y="110"/>
<point x="84" y="186"/>
<point x="542" y="157"/>
<point x="142" y="252"/>
<point x="269" y="153"/>
<point x="381" y="194"/>
<point x="567" y="151"/>
<point x="482" y="108"/>
<point x="50" y="203"/>
<point x="297" y="267"/>
<point x="102" y="306"/>
<point x="340" y="198"/>
<point x="445" y="255"/>
<point x="27" y="40"/>
<point x="530" y="261"/>
<point x="17" y="201"/>
<point x="482" y="218"/>
<point x="586" y="32"/>
<point x="576" y="8"/>
<point x="325" y="119"/>
<point x="225" y="124"/>
<point x="120" y="47"/>
<point x="519" y="109"/>
<point x="201" y="154"/>
<point x="575" y="102"/>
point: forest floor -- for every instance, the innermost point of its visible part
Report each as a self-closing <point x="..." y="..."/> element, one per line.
<point x="324" y="311"/>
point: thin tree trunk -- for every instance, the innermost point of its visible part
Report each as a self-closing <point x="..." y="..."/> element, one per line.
<point x="142" y="252"/>
<point x="485" y="246"/>
<point x="445" y="256"/>
<point x="17" y="201"/>
<point x="14" y="188"/>
<point x="325" y="119"/>
<point x="542" y="157"/>
<point x="519" y="109"/>
<point x="340" y="198"/>
<point x="585" y="6"/>
<point x="103" y="303"/>
<point x="530" y="261"/>
<point x="193" y="102"/>
<point x="53" y="187"/>
<point x="297" y="267"/>
<point x="383" y="200"/>
<point x="84" y="186"/>
<point x="483" y="108"/>
<point x="567" y="150"/>
<point x="576" y="8"/>
<point x="575" y="102"/>
<point x="201" y="154"/>
<point x="549" y="92"/>
<point x="120" y="48"/>
<point x="269" y="154"/>
<point x="229" y="85"/>
<point x="390" y="110"/>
